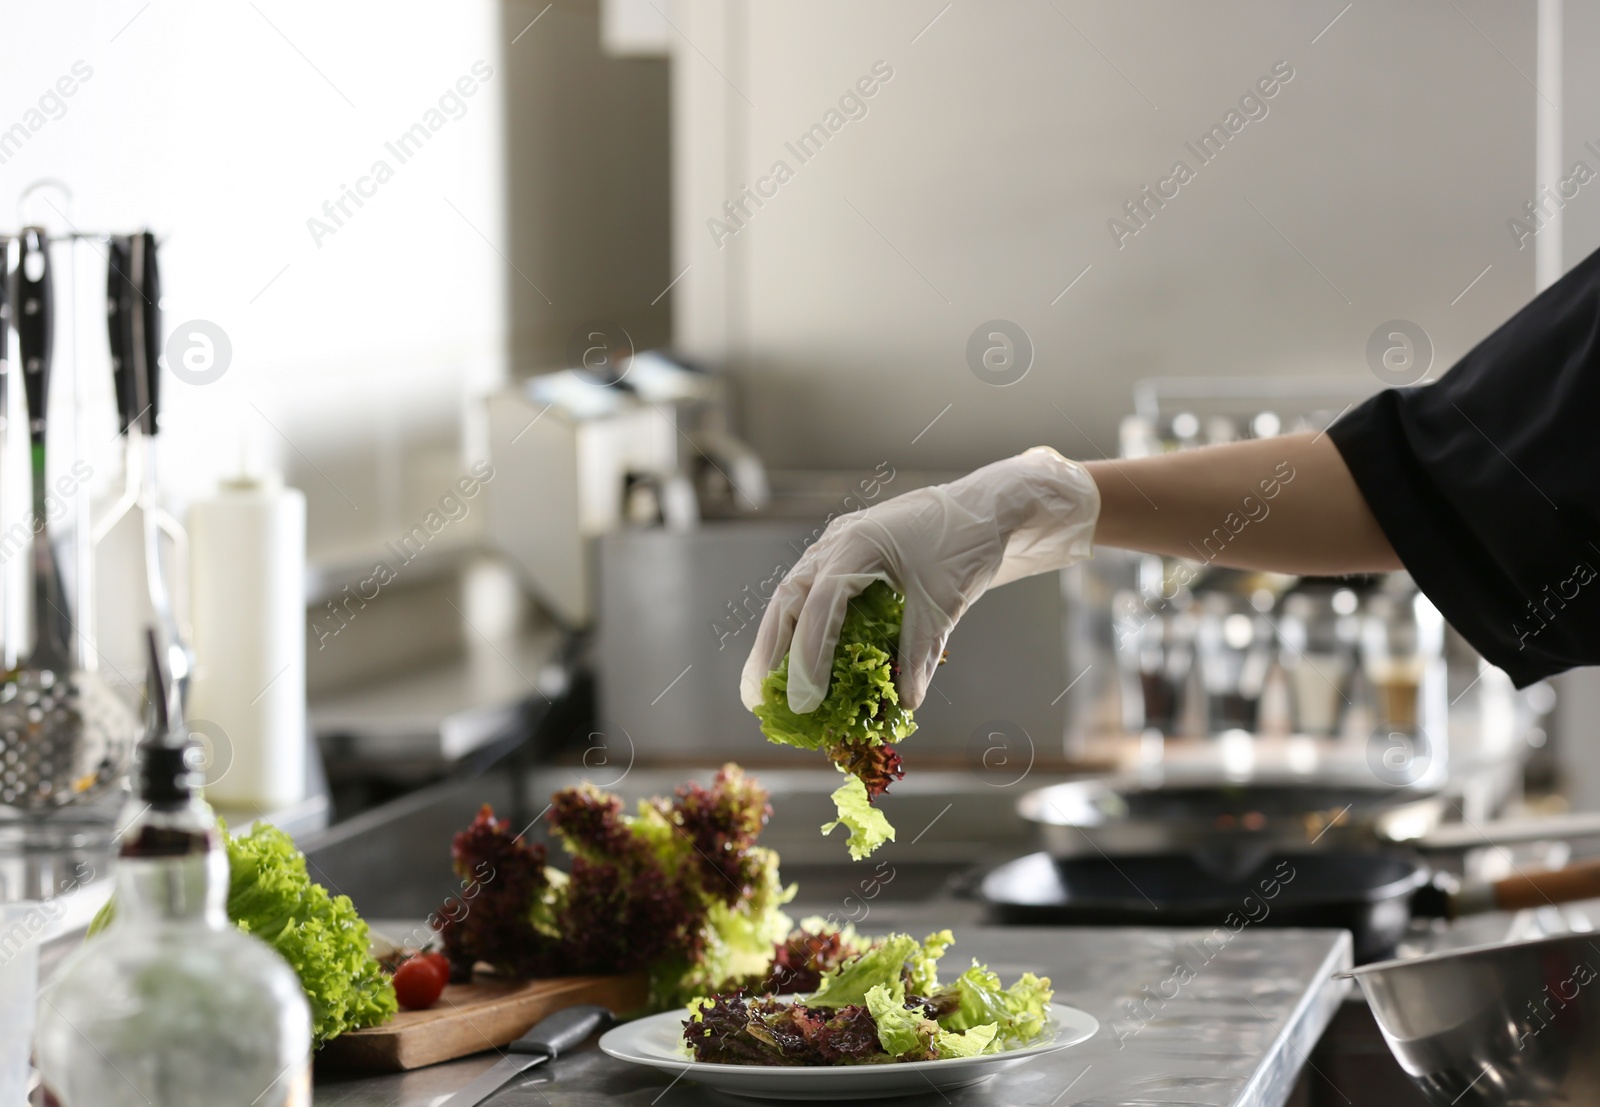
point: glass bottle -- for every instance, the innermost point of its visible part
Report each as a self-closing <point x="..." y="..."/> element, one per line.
<point x="1319" y="632"/>
<point x="172" y="1004"/>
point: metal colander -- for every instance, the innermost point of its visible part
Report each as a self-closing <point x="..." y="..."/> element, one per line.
<point x="65" y="738"/>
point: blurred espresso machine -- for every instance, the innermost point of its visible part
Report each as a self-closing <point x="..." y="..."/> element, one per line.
<point x="1188" y="662"/>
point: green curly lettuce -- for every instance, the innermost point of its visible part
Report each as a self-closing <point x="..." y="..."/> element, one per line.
<point x="860" y="719"/>
<point x="272" y="896"/>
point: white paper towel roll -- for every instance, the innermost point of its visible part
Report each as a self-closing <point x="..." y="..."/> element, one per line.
<point x="247" y="605"/>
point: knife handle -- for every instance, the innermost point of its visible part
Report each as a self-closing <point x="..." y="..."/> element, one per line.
<point x="120" y="295"/>
<point x="35" y="325"/>
<point x="148" y="356"/>
<point x="556" y="1034"/>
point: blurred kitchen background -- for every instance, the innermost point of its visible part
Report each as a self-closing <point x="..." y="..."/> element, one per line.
<point x="604" y="203"/>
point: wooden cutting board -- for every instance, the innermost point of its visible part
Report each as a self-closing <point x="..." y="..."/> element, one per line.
<point x="470" y="1018"/>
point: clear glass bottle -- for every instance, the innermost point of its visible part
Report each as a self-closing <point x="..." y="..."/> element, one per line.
<point x="172" y="1004"/>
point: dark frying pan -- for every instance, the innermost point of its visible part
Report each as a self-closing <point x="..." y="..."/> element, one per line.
<point x="1374" y="895"/>
<point x="1230" y="827"/>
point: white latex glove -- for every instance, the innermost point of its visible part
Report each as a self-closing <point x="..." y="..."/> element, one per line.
<point x="941" y="548"/>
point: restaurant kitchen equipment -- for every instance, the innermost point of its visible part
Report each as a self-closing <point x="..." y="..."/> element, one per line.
<point x="134" y="332"/>
<point x="103" y="556"/>
<point x="1375" y="896"/>
<point x="578" y="455"/>
<point x="1184" y="849"/>
<point x="1188" y="660"/>
<point x="65" y="736"/>
<point x="1513" y="1024"/>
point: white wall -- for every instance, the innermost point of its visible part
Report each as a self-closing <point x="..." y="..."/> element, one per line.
<point x="225" y="127"/>
<point x="981" y="181"/>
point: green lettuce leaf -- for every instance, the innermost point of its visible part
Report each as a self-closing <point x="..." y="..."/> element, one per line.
<point x="869" y="828"/>
<point x="975" y="1041"/>
<point x="1018" y="1013"/>
<point x="271" y="895"/>
<point x="923" y="968"/>
<point x="905" y="1035"/>
<point x="851" y="981"/>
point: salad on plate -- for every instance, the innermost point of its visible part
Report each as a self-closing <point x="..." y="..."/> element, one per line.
<point x="880" y="1006"/>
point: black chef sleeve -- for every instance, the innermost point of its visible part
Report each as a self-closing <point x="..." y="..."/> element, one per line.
<point x="1487" y="483"/>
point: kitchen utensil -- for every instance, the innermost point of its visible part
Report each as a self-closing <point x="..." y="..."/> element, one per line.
<point x="19" y="985"/>
<point x="551" y="1037"/>
<point x="1373" y="895"/>
<point x="1229" y="825"/>
<point x="133" y="317"/>
<point x="121" y="292"/>
<point x="656" y="1042"/>
<point x="470" y="1018"/>
<point x="64" y="736"/>
<point x="1513" y="1024"/>
<point x="148" y="391"/>
<point x="52" y="621"/>
<point x="8" y="645"/>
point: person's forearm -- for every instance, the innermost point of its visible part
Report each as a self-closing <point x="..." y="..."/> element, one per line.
<point x="1283" y="504"/>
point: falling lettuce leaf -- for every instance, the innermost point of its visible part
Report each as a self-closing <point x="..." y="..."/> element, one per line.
<point x="869" y="828"/>
<point x="860" y="719"/>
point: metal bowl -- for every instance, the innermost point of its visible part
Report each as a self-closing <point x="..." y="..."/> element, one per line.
<point x="1512" y="1025"/>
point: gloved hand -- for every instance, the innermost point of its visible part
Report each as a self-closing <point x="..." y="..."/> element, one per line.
<point x="941" y="548"/>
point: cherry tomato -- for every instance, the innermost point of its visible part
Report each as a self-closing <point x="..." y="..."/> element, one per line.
<point x="419" y="982"/>
<point x="440" y="960"/>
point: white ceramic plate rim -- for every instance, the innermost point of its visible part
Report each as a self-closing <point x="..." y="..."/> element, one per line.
<point x="638" y="1042"/>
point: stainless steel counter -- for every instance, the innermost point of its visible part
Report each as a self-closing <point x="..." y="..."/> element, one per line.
<point x="1232" y="1028"/>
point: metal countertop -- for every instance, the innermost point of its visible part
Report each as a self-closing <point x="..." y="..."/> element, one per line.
<point x="1232" y="1029"/>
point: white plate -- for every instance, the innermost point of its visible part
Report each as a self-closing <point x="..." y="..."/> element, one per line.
<point x="657" y="1041"/>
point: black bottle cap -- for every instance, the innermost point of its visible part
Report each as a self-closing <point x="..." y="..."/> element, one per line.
<point x="167" y="773"/>
<point x="169" y="758"/>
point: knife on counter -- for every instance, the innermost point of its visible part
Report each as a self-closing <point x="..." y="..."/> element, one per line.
<point x="549" y="1038"/>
